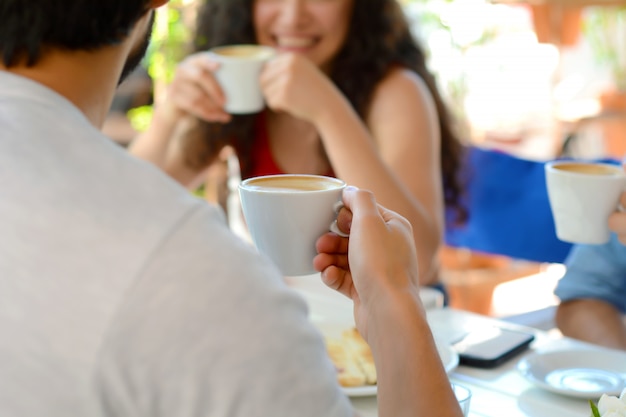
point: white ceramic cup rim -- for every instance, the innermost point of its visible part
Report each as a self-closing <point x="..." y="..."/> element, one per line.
<point x="266" y="53"/>
<point x="246" y="184"/>
<point x="553" y="167"/>
<point x="290" y="207"/>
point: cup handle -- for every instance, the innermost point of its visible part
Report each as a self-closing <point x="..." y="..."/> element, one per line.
<point x="333" y="226"/>
<point x="620" y="206"/>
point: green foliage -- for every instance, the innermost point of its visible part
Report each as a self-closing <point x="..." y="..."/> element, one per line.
<point x="605" y="30"/>
<point x="199" y="192"/>
<point x="170" y="41"/>
<point x="140" y="117"/>
<point x="594" y="409"/>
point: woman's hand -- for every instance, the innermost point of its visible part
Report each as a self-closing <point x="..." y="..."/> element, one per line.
<point x="195" y="91"/>
<point x="193" y="95"/>
<point x="292" y="83"/>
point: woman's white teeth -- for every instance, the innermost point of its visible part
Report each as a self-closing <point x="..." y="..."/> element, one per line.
<point x="295" y="42"/>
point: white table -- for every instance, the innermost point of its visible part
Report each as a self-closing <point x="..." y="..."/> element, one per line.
<point x="495" y="393"/>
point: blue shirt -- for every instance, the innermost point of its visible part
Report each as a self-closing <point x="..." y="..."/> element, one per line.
<point x="596" y="271"/>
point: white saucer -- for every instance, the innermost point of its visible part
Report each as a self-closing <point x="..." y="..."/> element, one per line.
<point x="582" y="373"/>
<point x="364" y="391"/>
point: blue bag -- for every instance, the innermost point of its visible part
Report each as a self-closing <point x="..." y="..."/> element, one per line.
<point x="508" y="208"/>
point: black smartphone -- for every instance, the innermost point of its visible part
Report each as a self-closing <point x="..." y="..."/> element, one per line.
<point x="491" y="346"/>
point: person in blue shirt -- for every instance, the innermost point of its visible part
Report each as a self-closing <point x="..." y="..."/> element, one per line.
<point x="593" y="290"/>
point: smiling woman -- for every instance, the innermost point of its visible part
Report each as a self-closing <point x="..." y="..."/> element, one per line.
<point x="286" y="26"/>
<point x="348" y="95"/>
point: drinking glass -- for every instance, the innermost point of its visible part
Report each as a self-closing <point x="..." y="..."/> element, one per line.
<point x="464" y="396"/>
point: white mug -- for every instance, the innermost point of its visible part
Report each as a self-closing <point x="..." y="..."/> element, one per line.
<point x="582" y="196"/>
<point x="286" y="214"/>
<point x="238" y="75"/>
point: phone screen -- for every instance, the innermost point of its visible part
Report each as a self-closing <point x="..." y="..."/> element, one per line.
<point x="491" y="346"/>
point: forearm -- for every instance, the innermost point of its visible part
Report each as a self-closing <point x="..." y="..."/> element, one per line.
<point x="592" y="321"/>
<point x="411" y="381"/>
<point x="356" y="160"/>
<point x="153" y="144"/>
<point x="161" y="145"/>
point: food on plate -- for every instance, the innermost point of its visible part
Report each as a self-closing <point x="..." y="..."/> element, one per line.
<point x="352" y="358"/>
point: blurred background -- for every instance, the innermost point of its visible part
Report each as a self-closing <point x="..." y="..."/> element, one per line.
<point x="536" y="80"/>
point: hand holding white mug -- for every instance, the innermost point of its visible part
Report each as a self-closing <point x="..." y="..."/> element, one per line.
<point x="380" y="241"/>
<point x="292" y="83"/>
<point x="582" y="197"/>
<point x="195" y="91"/>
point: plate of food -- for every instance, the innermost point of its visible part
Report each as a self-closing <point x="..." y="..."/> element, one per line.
<point x="581" y="373"/>
<point x="353" y="360"/>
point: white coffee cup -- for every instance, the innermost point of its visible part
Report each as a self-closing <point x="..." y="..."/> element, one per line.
<point x="286" y="214"/>
<point x="582" y="196"/>
<point x="238" y="75"/>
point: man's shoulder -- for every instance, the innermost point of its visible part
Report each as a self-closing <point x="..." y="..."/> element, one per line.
<point x="212" y="315"/>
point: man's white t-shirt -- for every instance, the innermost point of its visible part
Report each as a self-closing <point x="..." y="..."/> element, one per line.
<point x="123" y="295"/>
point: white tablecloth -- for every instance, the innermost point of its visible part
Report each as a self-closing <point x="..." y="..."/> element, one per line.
<point x="501" y="392"/>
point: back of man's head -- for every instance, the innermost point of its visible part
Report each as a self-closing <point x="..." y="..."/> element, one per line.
<point x="27" y="27"/>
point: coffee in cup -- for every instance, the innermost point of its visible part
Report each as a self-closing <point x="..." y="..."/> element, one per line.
<point x="582" y="197"/>
<point x="588" y="168"/>
<point x="293" y="183"/>
<point x="238" y="75"/>
<point x="244" y="51"/>
<point x="286" y="214"/>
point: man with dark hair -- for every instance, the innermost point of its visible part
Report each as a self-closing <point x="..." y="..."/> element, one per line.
<point x="123" y="295"/>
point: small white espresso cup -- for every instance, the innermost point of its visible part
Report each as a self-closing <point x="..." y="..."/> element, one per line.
<point x="238" y="75"/>
<point x="286" y="214"/>
<point x="582" y="196"/>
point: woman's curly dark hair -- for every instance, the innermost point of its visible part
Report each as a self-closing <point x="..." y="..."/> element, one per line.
<point x="379" y="38"/>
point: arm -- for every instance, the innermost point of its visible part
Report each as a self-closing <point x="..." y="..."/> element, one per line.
<point x="379" y="273"/>
<point x="408" y="387"/>
<point x="193" y="95"/>
<point x="593" y="321"/>
<point x="210" y="328"/>
<point x="592" y="294"/>
<point x="396" y="155"/>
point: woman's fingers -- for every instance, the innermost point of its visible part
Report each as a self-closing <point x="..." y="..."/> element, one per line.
<point x="203" y="69"/>
<point x="196" y="91"/>
<point x="273" y="69"/>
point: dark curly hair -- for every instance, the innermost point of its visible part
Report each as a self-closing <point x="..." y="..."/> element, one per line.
<point x="29" y="26"/>
<point x="379" y="38"/>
